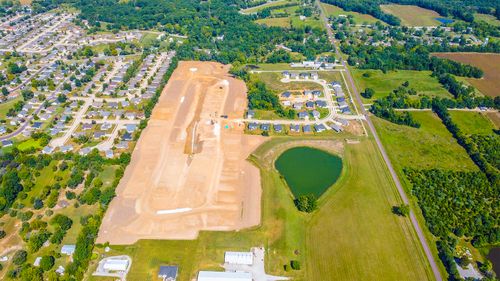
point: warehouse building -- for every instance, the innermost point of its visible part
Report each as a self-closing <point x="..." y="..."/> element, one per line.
<point x="239" y="258"/>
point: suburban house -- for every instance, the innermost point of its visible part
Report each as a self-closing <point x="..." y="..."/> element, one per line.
<point x="252" y="126"/>
<point x="278" y="128"/>
<point x="68" y="249"/>
<point x="319" y="128"/>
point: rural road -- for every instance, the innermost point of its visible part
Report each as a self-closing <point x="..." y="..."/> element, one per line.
<point x="413" y="219"/>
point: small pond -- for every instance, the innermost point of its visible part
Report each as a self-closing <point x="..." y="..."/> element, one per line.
<point x="444" y="20"/>
<point x="494" y="257"/>
<point x="308" y="170"/>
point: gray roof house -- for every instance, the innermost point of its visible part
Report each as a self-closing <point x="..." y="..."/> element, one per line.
<point x="303" y="114"/>
<point x="168" y="273"/>
<point x="306" y="128"/>
<point x="265" y="127"/>
<point x="278" y="128"/>
<point x="252" y="126"/>
<point x="319" y="128"/>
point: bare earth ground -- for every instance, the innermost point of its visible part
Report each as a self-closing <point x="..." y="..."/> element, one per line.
<point x="489" y="63"/>
<point x="189" y="170"/>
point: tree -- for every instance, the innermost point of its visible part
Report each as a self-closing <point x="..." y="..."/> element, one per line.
<point x="20" y="257"/>
<point x="295" y="265"/>
<point x="5" y="92"/>
<point x="47" y="262"/>
<point x="401" y="210"/>
<point x="368" y="93"/>
<point x="2" y="234"/>
<point x="306" y="203"/>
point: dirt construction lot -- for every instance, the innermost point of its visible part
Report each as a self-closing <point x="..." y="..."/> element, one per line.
<point x="189" y="170"/>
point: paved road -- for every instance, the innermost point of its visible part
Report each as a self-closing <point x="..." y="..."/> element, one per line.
<point x="414" y="221"/>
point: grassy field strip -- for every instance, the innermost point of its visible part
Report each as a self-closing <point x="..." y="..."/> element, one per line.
<point x="349" y="236"/>
<point x="353" y="103"/>
<point x="412" y="15"/>
<point x="266" y="5"/>
<point x="335" y="11"/>
<point x="473" y="122"/>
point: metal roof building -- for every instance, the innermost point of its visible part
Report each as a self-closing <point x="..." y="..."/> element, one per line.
<point x="115" y="265"/>
<point x="224" y="276"/>
<point x="239" y="258"/>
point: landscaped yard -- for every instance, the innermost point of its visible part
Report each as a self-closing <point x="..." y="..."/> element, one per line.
<point x="384" y="84"/>
<point x="332" y="250"/>
<point x="272" y="80"/>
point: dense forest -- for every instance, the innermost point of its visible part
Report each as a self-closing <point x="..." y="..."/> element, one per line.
<point x="215" y="28"/>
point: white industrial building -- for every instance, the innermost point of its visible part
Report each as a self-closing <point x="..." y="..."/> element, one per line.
<point x="115" y="265"/>
<point x="224" y="276"/>
<point x="239" y="258"/>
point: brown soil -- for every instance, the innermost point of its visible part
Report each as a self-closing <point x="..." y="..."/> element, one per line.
<point x="189" y="170"/>
<point x="489" y="63"/>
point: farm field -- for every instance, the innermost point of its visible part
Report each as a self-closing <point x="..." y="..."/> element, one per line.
<point x="430" y="146"/>
<point x="335" y="11"/>
<point x="384" y="84"/>
<point x="489" y="63"/>
<point x="283" y="228"/>
<point x="472" y="122"/>
<point x="412" y="15"/>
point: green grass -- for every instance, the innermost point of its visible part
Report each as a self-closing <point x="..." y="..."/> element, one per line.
<point x="384" y="84"/>
<point x="355" y="236"/>
<point x="29" y="143"/>
<point x="331" y="10"/>
<point x="5" y="106"/>
<point x="430" y="146"/>
<point x="412" y="15"/>
<point x="47" y="177"/>
<point x="290" y="21"/>
<point x="267" y="5"/>
<point x="148" y="39"/>
<point x="341" y="243"/>
<point x="472" y="122"/>
<point x="487" y="18"/>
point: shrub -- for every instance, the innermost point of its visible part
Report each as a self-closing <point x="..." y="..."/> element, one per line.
<point x="47" y="262"/>
<point x="401" y="210"/>
<point x="295" y="264"/>
<point x="20" y="257"/>
<point x="2" y="234"/>
<point x="368" y="93"/>
<point x="306" y="203"/>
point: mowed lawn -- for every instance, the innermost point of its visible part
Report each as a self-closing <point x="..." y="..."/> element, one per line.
<point x="345" y="240"/>
<point x="385" y="83"/>
<point x="266" y="5"/>
<point x="489" y="63"/>
<point x="472" y="122"/>
<point x="355" y="236"/>
<point x="412" y="15"/>
<point x="430" y="146"/>
<point x="490" y="19"/>
<point x="335" y="11"/>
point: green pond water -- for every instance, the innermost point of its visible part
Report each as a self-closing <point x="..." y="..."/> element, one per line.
<point x="308" y="170"/>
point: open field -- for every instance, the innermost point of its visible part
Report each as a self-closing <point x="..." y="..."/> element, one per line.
<point x="384" y="84"/>
<point x="335" y="11"/>
<point x="430" y="146"/>
<point x="473" y="122"/>
<point x="290" y="21"/>
<point x="489" y="63"/>
<point x="267" y="5"/>
<point x="5" y="106"/>
<point x="343" y="256"/>
<point x="412" y="15"/>
<point x="495" y="118"/>
<point x="280" y="22"/>
<point x="192" y="162"/>
<point x="490" y="19"/>
<point x="348" y="237"/>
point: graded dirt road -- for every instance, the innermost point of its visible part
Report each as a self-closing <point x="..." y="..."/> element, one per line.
<point x="189" y="170"/>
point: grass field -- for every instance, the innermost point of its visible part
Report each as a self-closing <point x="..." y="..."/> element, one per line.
<point x="329" y="249"/>
<point x="280" y="22"/>
<point x="412" y="15"/>
<point x="430" y="146"/>
<point x="5" y="106"/>
<point x="472" y="122"/>
<point x="267" y="5"/>
<point x="349" y="236"/>
<point x="487" y="18"/>
<point x="489" y="63"/>
<point x="335" y="11"/>
<point x="384" y="84"/>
